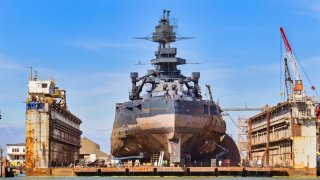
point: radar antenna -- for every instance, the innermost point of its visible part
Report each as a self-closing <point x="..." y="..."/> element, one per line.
<point x="164" y="31"/>
<point x="165" y="62"/>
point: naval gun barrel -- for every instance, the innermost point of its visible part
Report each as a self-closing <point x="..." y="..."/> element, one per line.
<point x="134" y="95"/>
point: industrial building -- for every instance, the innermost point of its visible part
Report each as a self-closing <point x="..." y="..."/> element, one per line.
<point x="52" y="131"/>
<point x="286" y="135"/>
<point x="90" y="151"/>
<point x="16" y="154"/>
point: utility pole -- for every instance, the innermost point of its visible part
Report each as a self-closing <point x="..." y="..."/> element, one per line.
<point x="1" y="153"/>
<point x="1" y="161"/>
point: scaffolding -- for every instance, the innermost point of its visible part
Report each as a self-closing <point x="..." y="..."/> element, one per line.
<point x="243" y="137"/>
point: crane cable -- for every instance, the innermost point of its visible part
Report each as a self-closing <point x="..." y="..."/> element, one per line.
<point x="89" y="128"/>
<point x="300" y="65"/>
<point x="306" y="75"/>
<point x="281" y="71"/>
<point x="236" y="125"/>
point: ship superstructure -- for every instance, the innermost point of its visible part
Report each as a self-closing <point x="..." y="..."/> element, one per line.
<point x="170" y="117"/>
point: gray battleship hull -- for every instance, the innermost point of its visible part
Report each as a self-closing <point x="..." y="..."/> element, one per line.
<point x="171" y="117"/>
<point x="150" y="126"/>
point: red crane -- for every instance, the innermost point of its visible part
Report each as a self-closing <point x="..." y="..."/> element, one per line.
<point x="298" y="86"/>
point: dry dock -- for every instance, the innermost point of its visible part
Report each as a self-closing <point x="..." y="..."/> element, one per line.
<point x="52" y="131"/>
<point x="282" y="140"/>
<point x="172" y="171"/>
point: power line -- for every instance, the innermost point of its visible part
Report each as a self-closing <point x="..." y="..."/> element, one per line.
<point x="236" y="125"/>
<point x="281" y="80"/>
<point x="93" y="129"/>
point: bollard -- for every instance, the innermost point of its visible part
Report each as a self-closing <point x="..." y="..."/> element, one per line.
<point x="216" y="172"/>
<point x="244" y="172"/>
<point x="99" y="172"/>
<point x="188" y="172"/>
<point x="155" y="171"/>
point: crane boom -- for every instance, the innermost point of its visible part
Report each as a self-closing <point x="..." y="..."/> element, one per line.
<point x="299" y="91"/>
<point x="290" y="55"/>
<point x="288" y="81"/>
<point x="285" y="40"/>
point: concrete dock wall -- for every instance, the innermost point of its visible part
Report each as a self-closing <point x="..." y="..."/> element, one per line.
<point x="172" y="171"/>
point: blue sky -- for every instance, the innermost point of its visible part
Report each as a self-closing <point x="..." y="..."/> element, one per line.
<point x="88" y="47"/>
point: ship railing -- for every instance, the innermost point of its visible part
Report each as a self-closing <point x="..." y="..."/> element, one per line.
<point x="208" y="164"/>
<point x="83" y="164"/>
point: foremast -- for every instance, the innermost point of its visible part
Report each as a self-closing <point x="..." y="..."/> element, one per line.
<point x="165" y="63"/>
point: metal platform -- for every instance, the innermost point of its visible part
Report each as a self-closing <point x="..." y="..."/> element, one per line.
<point x="174" y="171"/>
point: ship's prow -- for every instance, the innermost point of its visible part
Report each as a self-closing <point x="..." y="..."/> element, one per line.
<point x="171" y="118"/>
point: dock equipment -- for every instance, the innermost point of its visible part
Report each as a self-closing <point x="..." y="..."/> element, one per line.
<point x="285" y="135"/>
<point x="52" y="131"/>
<point x="174" y="171"/>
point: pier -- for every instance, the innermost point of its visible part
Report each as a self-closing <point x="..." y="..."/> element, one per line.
<point x="173" y="171"/>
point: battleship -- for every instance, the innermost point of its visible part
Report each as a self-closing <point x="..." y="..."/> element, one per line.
<point x="170" y="118"/>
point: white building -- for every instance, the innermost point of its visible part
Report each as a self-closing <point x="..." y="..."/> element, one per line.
<point x="16" y="153"/>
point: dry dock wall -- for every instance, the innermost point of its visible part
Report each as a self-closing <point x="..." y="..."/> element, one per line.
<point x="284" y="136"/>
<point x="172" y="171"/>
<point x="52" y="131"/>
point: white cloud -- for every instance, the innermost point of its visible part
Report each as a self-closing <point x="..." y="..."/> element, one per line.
<point x="316" y="8"/>
<point x="94" y="44"/>
<point x="311" y="10"/>
<point x="13" y="135"/>
<point x="8" y="64"/>
<point x="98" y="44"/>
<point x="231" y="73"/>
<point x="313" y="61"/>
<point x="98" y="83"/>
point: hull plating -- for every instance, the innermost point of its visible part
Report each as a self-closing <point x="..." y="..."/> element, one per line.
<point x="149" y="126"/>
